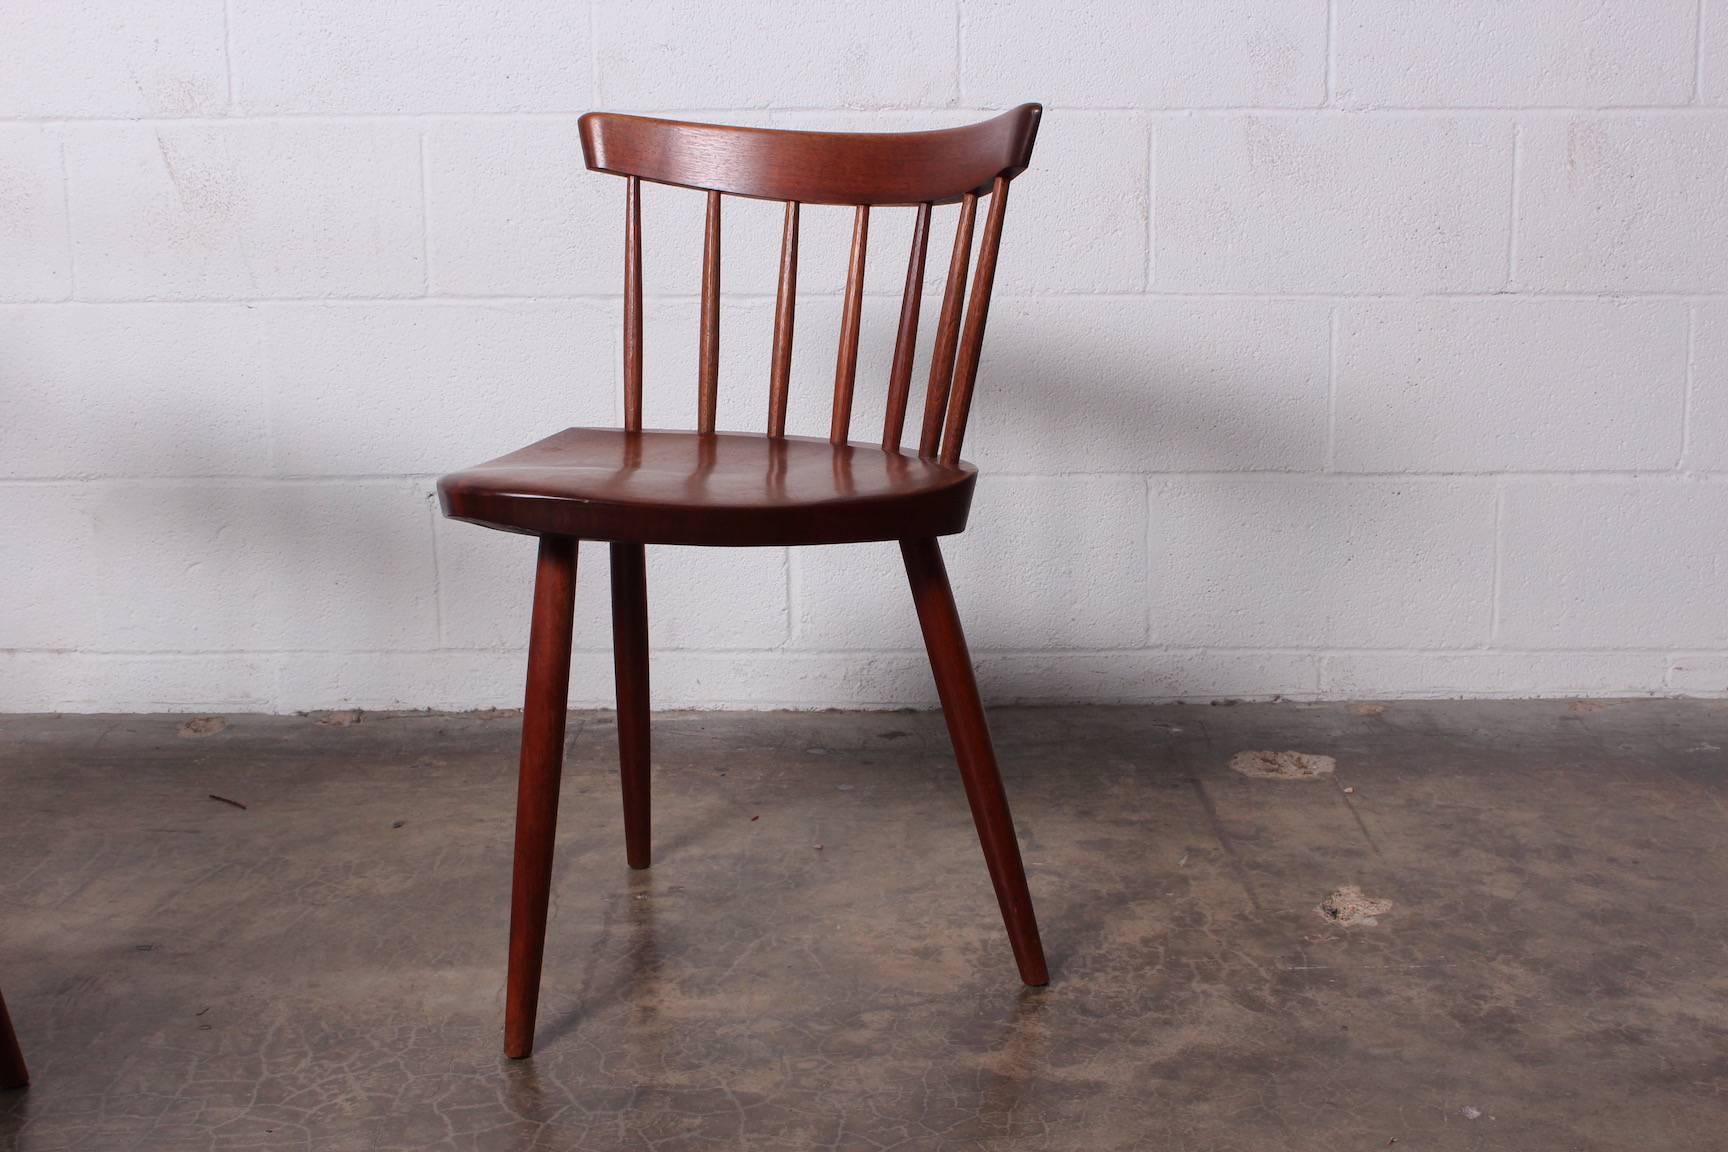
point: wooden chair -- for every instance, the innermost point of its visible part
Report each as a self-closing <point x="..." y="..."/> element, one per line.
<point x="13" y="1074"/>
<point x="633" y="487"/>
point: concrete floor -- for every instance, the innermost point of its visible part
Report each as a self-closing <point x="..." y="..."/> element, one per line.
<point x="815" y="961"/>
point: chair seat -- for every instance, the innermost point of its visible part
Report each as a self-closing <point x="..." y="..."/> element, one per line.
<point x="720" y="490"/>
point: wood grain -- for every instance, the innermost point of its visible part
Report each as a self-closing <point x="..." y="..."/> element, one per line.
<point x="544" y="708"/>
<point x="958" y="690"/>
<point x="633" y="305"/>
<point x="726" y="489"/>
<point x="814" y="167"/>
<point x="708" y="375"/>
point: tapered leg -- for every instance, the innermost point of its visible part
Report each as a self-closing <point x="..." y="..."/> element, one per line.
<point x="13" y="1074"/>
<point x="544" y="708"/>
<point x="958" y="690"/>
<point x="630" y="668"/>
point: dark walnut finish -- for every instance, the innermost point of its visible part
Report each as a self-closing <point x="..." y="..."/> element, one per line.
<point x="861" y="168"/>
<point x="725" y="490"/>
<point x="544" y="710"/>
<point x="632" y="487"/>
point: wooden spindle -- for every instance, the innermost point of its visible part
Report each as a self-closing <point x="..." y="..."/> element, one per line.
<point x="633" y="306"/>
<point x="708" y="377"/>
<point x="785" y="304"/>
<point x="906" y="340"/>
<point x="977" y="312"/>
<point x="948" y="329"/>
<point x="846" y="368"/>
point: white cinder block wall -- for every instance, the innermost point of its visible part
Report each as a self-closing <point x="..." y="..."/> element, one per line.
<point x="1348" y="348"/>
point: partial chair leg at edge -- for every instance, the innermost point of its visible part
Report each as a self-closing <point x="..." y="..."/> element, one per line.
<point x="13" y="1074"/>
<point x="630" y="668"/>
<point x="957" y="688"/>
<point x="546" y="704"/>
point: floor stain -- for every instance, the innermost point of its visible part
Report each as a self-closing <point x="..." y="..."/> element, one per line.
<point x="1283" y="765"/>
<point x="1349" y="906"/>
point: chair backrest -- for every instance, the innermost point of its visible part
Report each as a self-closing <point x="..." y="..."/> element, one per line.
<point x="865" y="170"/>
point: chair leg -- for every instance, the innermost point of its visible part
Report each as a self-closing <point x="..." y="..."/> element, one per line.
<point x="630" y="668"/>
<point x="545" y="706"/>
<point x="958" y="690"/>
<point x="13" y="1074"/>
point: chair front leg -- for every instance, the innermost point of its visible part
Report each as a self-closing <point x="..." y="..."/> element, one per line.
<point x="958" y="690"/>
<point x="545" y="707"/>
<point x="13" y="1074"/>
<point x="630" y="668"/>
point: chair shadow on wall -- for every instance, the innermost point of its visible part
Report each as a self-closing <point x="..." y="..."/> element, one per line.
<point x="1117" y="415"/>
<point x="258" y="564"/>
<point x="1160" y="415"/>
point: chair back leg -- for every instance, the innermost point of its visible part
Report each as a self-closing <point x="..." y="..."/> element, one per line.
<point x="630" y="667"/>
<point x="13" y="1074"/>
<point x="958" y="690"/>
<point x="545" y="706"/>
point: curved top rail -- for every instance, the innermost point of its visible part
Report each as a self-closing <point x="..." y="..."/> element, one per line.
<point x="814" y="167"/>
